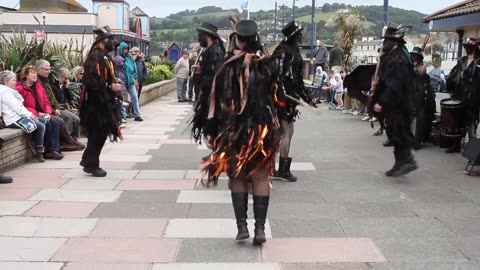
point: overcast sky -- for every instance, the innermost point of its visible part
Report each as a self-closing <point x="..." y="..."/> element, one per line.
<point x="163" y="8"/>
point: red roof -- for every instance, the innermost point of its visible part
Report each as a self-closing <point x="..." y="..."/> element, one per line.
<point x="462" y="8"/>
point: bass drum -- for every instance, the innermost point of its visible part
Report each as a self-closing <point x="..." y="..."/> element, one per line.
<point x="452" y="118"/>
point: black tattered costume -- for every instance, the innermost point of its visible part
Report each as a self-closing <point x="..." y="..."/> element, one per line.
<point x="463" y="83"/>
<point x="210" y="61"/>
<point x="97" y="104"/>
<point x="395" y="95"/>
<point x="242" y="125"/>
<point x="289" y="62"/>
<point x="424" y="101"/>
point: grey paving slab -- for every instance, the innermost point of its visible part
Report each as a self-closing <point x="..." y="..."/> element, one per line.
<point x="8" y="208"/>
<point x="284" y="196"/>
<point x="359" y="196"/>
<point x="473" y="194"/>
<point x="394" y="227"/>
<point x="208" y="228"/>
<point x="129" y="210"/>
<point x="435" y="195"/>
<point x="174" y="157"/>
<point x="161" y="174"/>
<point x="213" y="210"/>
<point x="426" y="266"/>
<point x="469" y="246"/>
<point x="30" y="266"/>
<point x="419" y="249"/>
<point x="352" y="180"/>
<point x="325" y="266"/>
<point x="307" y="211"/>
<point x="91" y="184"/>
<point x="379" y="210"/>
<point x="217" y="266"/>
<point x="207" y="250"/>
<point x="463" y="226"/>
<point x="205" y="196"/>
<point x="17" y="249"/>
<point x="457" y="210"/>
<point x="148" y="196"/>
<point x="71" y="195"/>
<point x="45" y="227"/>
<point x="306" y="228"/>
<point x="129" y="151"/>
<point x="111" y="174"/>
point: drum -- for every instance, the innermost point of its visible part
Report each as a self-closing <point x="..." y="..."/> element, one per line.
<point x="452" y="118"/>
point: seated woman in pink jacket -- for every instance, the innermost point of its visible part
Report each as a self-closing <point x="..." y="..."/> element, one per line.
<point x="36" y="101"/>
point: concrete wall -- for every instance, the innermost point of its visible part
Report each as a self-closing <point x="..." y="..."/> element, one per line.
<point x="14" y="149"/>
<point x="153" y="91"/>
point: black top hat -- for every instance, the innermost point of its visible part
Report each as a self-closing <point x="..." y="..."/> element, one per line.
<point x="246" y="28"/>
<point x="102" y="33"/>
<point x="396" y="34"/>
<point x="416" y="50"/>
<point x="471" y="42"/>
<point x="209" y="29"/>
<point x="291" y="29"/>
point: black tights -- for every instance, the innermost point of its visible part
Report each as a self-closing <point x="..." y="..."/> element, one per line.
<point x="259" y="180"/>
<point x="287" y="134"/>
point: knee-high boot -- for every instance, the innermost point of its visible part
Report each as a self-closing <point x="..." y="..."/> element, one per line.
<point x="260" y="208"/>
<point x="284" y="170"/>
<point x="240" y="207"/>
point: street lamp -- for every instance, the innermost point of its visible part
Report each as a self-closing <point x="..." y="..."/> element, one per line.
<point x="293" y="10"/>
<point x="44" y="16"/>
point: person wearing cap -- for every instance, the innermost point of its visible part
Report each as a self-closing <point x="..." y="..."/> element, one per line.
<point x="291" y="74"/>
<point x="141" y="68"/>
<point x="394" y="96"/>
<point x="424" y="100"/>
<point x="131" y="74"/>
<point x="242" y="127"/>
<point x="182" y="70"/>
<point x="97" y="101"/>
<point x="463" y="83"/>
<point x="210" y="61"/>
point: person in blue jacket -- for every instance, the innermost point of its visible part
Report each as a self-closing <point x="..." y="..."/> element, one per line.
<point x="131" y="73"/>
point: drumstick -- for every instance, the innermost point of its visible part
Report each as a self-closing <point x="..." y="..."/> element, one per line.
<point x="303" y="103"/>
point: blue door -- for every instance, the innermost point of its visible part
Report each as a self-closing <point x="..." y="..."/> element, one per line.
<point x="174" y="55"/>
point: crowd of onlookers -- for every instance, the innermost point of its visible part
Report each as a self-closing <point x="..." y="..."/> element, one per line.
<point x="45" y="105"/>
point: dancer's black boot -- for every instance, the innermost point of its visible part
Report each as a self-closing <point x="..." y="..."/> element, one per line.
<point x="240" y="207"/>
<point x="260" y="208"/>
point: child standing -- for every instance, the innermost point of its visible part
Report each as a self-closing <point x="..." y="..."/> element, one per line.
<point x="338" y="88"/>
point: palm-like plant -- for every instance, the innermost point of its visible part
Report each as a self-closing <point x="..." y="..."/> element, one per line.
<point x="17" y="51"/>
<point x="349" y="25"/>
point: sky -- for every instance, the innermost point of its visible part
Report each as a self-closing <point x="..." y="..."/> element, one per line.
<point x="163" y="8"/>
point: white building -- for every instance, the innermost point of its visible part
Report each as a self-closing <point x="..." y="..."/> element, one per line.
<point x="62" y="21"/>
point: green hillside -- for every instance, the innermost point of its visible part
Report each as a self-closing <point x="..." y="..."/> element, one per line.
<point x="181" y="26"/>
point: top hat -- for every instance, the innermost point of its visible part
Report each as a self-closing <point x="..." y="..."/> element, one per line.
<point x="471" y="42"/>
<point x="209" y="29"/>
<point x="102" y="33"/>
<point x="416" y="50"/>
<point x="246" y="28"/>
<point x="396" y="34"/>
<point x="291" y="29"/>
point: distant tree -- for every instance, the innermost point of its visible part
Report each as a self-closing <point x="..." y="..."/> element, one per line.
<point x="326" y="8"/>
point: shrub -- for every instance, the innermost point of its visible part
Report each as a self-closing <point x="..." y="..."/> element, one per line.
<point x="158" y="73"/>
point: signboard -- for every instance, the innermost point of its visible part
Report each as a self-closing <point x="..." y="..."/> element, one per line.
<point x="40" y="35"/>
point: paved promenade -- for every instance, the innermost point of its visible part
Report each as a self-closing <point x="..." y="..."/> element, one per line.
<point x="150" y="214"/>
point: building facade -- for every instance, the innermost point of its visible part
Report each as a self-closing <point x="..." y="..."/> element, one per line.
<point x="66" y="21"/>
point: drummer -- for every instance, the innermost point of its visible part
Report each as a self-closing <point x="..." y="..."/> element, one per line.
<point x="464" y="83"/>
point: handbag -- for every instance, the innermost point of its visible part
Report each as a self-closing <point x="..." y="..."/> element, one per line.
<point x="27" y="124"/>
